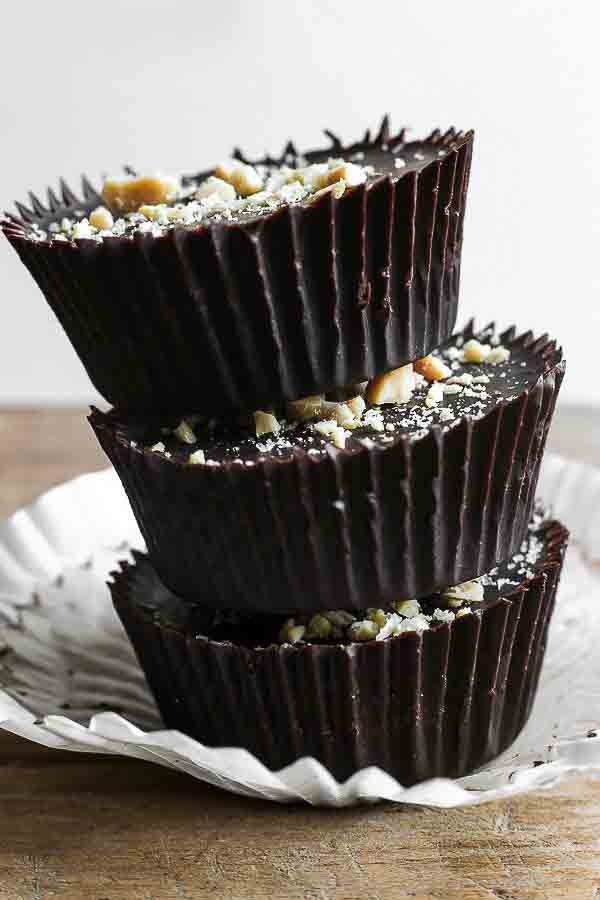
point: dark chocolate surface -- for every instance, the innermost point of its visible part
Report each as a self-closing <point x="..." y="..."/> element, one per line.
<point x="255" y="630"/>
<point x="226" y="441"/>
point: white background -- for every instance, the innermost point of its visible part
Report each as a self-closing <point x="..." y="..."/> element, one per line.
<point x="174" y="85"/>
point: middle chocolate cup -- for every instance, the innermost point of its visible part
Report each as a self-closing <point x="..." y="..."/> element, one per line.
<point x="394" y="514"/>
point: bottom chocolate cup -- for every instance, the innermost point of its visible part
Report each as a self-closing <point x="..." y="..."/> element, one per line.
<point x="435" y="702"/>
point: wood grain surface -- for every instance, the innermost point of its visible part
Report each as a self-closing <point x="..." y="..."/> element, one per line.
<point x="93" y="828"/>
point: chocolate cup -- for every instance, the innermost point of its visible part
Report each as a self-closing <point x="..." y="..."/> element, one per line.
<point x="295" y="302"/>
<point x="418" y="706"/>
<point x="354" y="528"/>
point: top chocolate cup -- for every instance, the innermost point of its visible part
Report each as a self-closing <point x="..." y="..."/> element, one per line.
<point x="242" y="313"/>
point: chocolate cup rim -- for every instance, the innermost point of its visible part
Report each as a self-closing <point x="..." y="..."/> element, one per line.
<point x="15" y="227"/>
<point x="122" y="583"/>
<point x="547" y="348"/>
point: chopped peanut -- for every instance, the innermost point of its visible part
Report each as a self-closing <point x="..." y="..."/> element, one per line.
<point x="128" y="193"/>
<point x="346" y="172"/>
<point x="218" y="186"/>
<point x="185" y="433"/>
<point x="407" y="608"/>
<point x="379" y="616"/>
<point x="469" y="591"/>
<point x="101" y="218"/>
<point x="337" y="189"/>
<point x="197" y="458"/>
<point x="339" y="617"/>
<point x="357" y="405"/>
<point x="498" y="355"/>
<point x="312" y="177"/>
<point x="291" y="633"/>
<point x="265" y="423"/>
<point x="364" y="631"/>
<point x="244" y="178"/>
<point x="432" y="368"/>
<point x="152" y="212"/>
<point x="343" y="414"/>
<point x="475" y="352"/>
<point x="325" y="426"/>
<point x="318" y="627"/>
<point x="305" y="408"/>
<point x="393" y="387"/>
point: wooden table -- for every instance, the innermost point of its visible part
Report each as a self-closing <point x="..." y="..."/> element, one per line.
<point x="93" y="828"/>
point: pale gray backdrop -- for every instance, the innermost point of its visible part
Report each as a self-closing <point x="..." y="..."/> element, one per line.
<point x="175" y="85"/>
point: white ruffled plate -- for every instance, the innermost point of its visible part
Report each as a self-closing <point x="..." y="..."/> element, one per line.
<point x="70" y="680"/>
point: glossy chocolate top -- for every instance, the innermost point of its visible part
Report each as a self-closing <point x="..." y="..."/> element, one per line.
<point x="541" y="551"/>
<point x="471" y="391"/>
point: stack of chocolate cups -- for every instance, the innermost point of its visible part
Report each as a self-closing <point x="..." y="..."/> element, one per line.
<point x="337" y="492"/>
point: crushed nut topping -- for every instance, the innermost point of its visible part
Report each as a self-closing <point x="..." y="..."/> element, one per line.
<point x="418" y="615"/>
<point x="151" y="203"/>
<point x="376" y="624"/>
